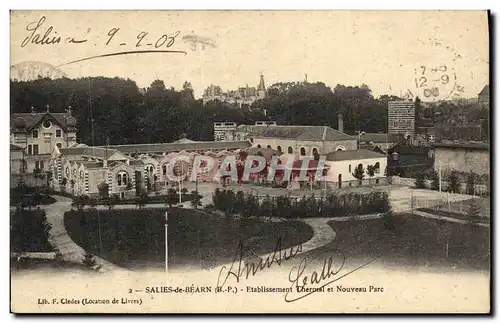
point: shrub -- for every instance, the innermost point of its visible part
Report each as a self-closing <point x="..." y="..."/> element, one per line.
<point x="89" y="260"/>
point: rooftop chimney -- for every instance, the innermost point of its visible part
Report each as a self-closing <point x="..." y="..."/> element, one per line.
<point x="341" y="122"/>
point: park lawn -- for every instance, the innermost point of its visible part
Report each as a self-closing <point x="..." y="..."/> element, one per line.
<point x="135" y="238"/>
<point x="415" y="242"/>
<point x="27" y="264"/>
<point x="456" y="215"/>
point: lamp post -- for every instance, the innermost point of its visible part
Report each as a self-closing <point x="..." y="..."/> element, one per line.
<point x="166" y="243"/>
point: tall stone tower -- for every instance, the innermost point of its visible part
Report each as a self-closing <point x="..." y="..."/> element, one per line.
<point x="261" y="88"/>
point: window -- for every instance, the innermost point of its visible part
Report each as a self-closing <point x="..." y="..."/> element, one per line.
<point x="350" y="169"/>
<point x="279" y="148"/>
<point x="37" y="164"/>
<point x="259" y="146"/>
<point x="164" y="169"/>
<point x="122" y="179"/>
<point x="302" y="151"/>
<point x="35" y="133"/>
<point x="269" y="146"/>
<point x="58" y="133"/>
<point x="59" y="145"/>
<point x="360" y="167"/>
<point x="30" y="149"/>
<point x="42" y="164"/>
<point x="377" y="167"/>
<point x="290" y="150"/>
<point x="35" y="149"/>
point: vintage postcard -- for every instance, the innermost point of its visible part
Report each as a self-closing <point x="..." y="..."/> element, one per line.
<point x="250" y="162"/>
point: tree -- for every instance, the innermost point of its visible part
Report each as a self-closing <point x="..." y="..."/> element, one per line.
<point x="453" y="182"/>
<point x="359" y="173"/>
<point x="48" y="176"/>
<point x="434" y="177"/>
<point x="142" y="200"/>
<point x="111" y="201"/>
<point x="72" y="184"/>
<point x="370" y="170"/>
<point x="196" y="199"/>
<point x="89" y="260"/>
<point x="473" y="212"/>
<point x="472" y="180"/>
<point x="92" y="203"/>
<point x="420" y="180"/>
<point x="64" y="181"/>
<point x="80" y="202"/>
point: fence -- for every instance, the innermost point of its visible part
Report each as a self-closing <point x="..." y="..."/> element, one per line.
<point x="450" y="203"/>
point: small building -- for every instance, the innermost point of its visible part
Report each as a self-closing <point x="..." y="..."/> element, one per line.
<point x="463" y="157"/>
<point x="381" y="141"/>
<point x="484" y="97"/>
<point x="342" y="165"/>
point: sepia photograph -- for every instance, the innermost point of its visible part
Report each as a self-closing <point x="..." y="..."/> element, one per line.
<point x="250" y="161"/>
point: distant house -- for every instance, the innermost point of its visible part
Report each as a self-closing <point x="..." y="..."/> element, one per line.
<point x="484" y="97"/>
<point x="381" y="141"/>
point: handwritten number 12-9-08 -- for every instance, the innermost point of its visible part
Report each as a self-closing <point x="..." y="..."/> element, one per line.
<point x="164" y="39"/>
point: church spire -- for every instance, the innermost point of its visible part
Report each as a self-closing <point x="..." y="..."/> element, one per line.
<point x="261" y="89"/>
<point x="261" y="86"/>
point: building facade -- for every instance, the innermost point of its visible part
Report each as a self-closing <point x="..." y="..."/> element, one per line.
<point x="462" y="157"/>
<point x="38" y="133"/>
<point x="401" y="117"/>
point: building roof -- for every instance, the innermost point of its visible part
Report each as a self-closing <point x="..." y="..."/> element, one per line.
<point x="27" y="121"/>
<point x="466" y="145"/>
<point x="93" y="152"/>
<point x="314" y="133"/>
<point x="382" y="137"/>
<point x="92" y="164"/>
<point x="174" y="147"/>
<point x="353" y="155"/>
<point x="14" y="147"/>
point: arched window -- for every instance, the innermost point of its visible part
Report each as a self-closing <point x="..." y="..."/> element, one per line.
<point x="149" y="169"/>
<point x="269" y="146"/>
<point x="164" y="169"/>
<point x="340" y="148"/>
<point x="377" y="167"/>
<point x="278" y="148"/>
<point x="290" y="150"/>
<point x="122" y="178"/>
<point x="302" y="151"/>
<point x="360" y="167"/>
<point x="350" y="168"/>
<point x="259" y="146"/>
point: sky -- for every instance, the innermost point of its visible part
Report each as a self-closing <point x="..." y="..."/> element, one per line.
<point x="383" y="49"/>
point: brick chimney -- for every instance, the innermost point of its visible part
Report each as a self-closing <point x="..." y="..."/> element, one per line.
<point x="341" y="123"/>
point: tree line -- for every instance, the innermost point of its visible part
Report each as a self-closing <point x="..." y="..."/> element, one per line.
<point x="117" y="111"/>
<point x="286" y="207"/>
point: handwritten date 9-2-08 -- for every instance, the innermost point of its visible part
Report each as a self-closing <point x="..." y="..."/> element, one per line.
<point x="39" y="35"/>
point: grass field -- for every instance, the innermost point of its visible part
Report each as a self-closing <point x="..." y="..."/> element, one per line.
<point x="135" y="239"/>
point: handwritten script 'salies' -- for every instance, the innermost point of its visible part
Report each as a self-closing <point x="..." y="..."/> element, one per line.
<point x="35" y="36"/>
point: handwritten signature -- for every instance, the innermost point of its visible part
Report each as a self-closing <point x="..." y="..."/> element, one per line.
<point x="306" y="283"/>
<point x="244" y="269"/>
